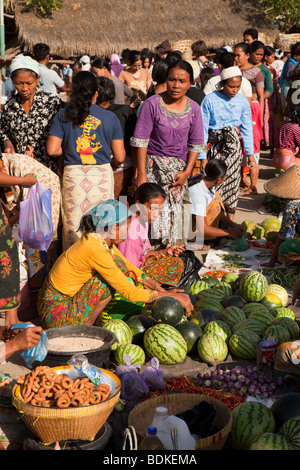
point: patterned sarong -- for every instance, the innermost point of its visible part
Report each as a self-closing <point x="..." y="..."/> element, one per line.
<point x="225" y="146"/>
<point x="83" y="187"/>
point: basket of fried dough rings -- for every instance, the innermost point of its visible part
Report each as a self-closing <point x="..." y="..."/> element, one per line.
<point x="60" y="404"/>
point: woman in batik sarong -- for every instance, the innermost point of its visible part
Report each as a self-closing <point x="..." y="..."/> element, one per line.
<point x="227" y="118"/>
<point x="167" y="140"/>
<point x="86" y="135"/>
<point x="85" y="277"/>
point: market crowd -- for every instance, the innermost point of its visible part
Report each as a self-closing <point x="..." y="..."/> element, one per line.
<point x="146" y="155"/>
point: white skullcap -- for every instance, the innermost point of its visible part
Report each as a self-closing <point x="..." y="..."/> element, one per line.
<point x="24" y="62"/>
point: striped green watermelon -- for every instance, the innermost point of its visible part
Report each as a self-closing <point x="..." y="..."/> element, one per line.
<point x="250" y="420"/>
<point x="226" y="288"/>
<point x="191" y="333"/>
<point x="280" y="291"/>
<point x="278" y="333"/>
<point x="265" y="319"/>
<point x="231" y="315"/>
<point x="198" y="286"/>
<point x="249" y="324"/>
<point x="212" y="348"/>
<point x="290" y="325"/>
<point x="242" y="344"/>
<point x="230" y="278"/>
<point x="218" y="327"/>
<point x="270" y="441"/>
<point x="166" y="343"/>
<point x="283" y="312"/>
<point x="211" y="294"/>
<point x="254" y="307"/>
<point x="253" y="286"/>
<point x="135" y="353"/>
<point x="208" y="304"/>
<point x="211" y="280"/>
<point x="290" y="431"/>
<point x="121" y="330"/>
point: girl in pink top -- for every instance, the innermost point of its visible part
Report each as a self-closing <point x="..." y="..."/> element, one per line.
<point x="149" y="200"/>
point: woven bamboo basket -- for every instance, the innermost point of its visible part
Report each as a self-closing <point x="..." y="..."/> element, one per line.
<point x="287" y="40"/>
<point x="142" y="415"/>
<point x="183" y="46"/>
<point x="62" y="424"/>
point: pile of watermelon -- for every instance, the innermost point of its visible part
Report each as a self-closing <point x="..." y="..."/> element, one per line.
<point x="258" y="427"/>
<point x="231" y="315"/>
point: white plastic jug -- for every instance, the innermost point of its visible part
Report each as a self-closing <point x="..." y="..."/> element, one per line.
<point x="172" y="431"/>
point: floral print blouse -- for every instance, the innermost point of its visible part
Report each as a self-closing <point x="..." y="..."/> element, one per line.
<point x="32" y="129"/>
<point x="290" y="227"/>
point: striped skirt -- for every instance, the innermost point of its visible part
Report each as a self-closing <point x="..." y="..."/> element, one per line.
<point x="225" y="145"/>
<point x="83" y="187"/>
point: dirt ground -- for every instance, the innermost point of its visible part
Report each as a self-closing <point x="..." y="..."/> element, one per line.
<point x="249" y="207"/>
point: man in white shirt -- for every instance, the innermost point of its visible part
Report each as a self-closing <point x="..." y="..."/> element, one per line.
<point x="50" y="81"/>
<point x="227" y="60"/>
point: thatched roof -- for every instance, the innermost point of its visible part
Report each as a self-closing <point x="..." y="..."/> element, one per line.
<point x="103" y="27"/>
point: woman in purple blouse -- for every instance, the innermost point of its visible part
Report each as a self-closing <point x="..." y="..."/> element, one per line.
<point x="167" y="140"/>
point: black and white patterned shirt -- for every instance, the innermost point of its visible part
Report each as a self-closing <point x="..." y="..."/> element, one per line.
<point x="32" y="129"/>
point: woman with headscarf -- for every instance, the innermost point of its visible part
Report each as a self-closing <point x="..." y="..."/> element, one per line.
<point x="85" y="277"/>
<point x="115" y="65"/>
<point x="27" y="117"/>
<point x="227" y="116"/>
<point x="167" y="139"/>
<point x="91" y="142"/>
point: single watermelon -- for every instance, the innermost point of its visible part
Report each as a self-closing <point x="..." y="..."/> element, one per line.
<point x="165" y="343"/>
<point x="191" y="333"/>
<point x="210" y="304"/>
<point x="242" y="344"/>
<point x="230" y="278"/>
<point x="211" y="280"/>
<point x="249" y="324"/>
<point x="211" y="294"/>
<point x="226" y="288"/>
<point x="232" y="315"/>
<point x="283" y="312"/>
<point x="167" y="310"/>
<point x="280" y="291"/>
<point x="234" y="301"/>
<point x="198" y="286"/>
<point x="286" y="406"/>
<point x="134" y="352"/>
<point x="250" y="420"/>
<point x="254" y="307"/>
<point x="253" y="286"/>
<point x="204" y="316"/>
<point x="138" y="325"/>
<point x="218" y="327"/>
<point x="278" y="333"/>
<point x="290" y="431"/>
<point x="212" y="348"/>
<point x="270" y="441"/>
<point x="265" y="319"/>
<point x="290" y="325"/>
<point x="271" y="301"/>
<point x="121" y="330"/>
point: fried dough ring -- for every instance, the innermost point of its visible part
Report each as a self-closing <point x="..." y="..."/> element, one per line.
<point x="67" y="382"/>
<point x="63" y="401"/>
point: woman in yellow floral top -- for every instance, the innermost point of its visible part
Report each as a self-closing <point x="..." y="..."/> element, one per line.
<point x="85" y="277"/>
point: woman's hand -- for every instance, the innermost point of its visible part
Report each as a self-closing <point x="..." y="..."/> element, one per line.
<point x="27" y="338"/>
<point x="183" y="298"/>
<point x="174" y="250"/>
<point x="180" y="179"/>
<point x="251" y="161"/>
<point x="28" y="180"/>
<point x="236" y="232"/>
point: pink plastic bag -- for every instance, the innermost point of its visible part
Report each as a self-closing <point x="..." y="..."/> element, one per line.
<point x="35" y="222"/>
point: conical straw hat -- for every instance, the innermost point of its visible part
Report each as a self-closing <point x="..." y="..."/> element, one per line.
<point x="286" y="185"/>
